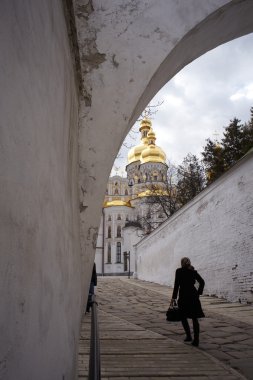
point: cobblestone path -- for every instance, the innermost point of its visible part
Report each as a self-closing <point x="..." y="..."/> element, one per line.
<point x="138" y="343"/>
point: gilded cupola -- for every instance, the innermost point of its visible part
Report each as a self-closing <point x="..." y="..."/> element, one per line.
<point x="152" y="152"/>
<point x="116" y="203"/>
<point x="135" y="153"/>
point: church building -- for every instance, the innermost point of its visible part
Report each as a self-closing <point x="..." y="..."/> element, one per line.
<point x="126" y="214"/>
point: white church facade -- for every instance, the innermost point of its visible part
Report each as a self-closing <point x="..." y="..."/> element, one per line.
<point x="125" y="205"/>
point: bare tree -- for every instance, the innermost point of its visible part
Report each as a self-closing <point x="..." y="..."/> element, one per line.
<point x="162" y="200"/>
<point x="148" y="112"/>
<point x="190" y="179"/>
<point x="159" y="203"/>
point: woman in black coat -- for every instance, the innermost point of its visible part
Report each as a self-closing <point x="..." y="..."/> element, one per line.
<point x="93" y="283"/>
<point x="188" y="301"/>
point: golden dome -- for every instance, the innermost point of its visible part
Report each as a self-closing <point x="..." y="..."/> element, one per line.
<point x="153" y="193"/>
<point x="152" y="153"/>
<point x="134" y="153"/>
<point x="151" y="134"/>
<point x="117" y="203"/>
<point x="145" y="123"/>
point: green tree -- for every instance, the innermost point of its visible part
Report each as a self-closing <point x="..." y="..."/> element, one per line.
<point x="213" y="159"/>
<point x="220" y="156"/>
<point x="232" y="143"/>
<point x="247" y="138"/>
<point x="190" y="179"/>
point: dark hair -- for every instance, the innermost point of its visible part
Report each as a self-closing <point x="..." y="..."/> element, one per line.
<point x="186" y="262"/>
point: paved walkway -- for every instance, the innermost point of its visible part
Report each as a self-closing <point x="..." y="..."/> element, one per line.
<point x="138" y="343"/>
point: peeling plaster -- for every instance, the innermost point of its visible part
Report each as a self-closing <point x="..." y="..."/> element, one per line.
<point x="82" y="208"/>
<point x="90" y="57"/>
<point x="83" y="190"/>
<point x="72" y="34"/>
<point x="92" y="235"/>
<point x="84" y="10"/>
<point x="92" y="60"/>
<point x="202" y="207"/>
<point x="114" y="62"/>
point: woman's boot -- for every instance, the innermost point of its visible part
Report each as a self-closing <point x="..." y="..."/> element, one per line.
<point x="195" y="341"/>
<point x="187" y="330"/>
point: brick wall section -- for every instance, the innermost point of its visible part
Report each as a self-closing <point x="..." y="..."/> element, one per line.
<point x="216" y="231"/>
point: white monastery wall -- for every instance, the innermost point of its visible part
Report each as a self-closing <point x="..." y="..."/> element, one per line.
<point x="216" y="231"/>
<point x="41" y="283"/>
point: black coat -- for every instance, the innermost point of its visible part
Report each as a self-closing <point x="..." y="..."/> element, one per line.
<point x="188" y="300"/>
<point x="94" y="275"/>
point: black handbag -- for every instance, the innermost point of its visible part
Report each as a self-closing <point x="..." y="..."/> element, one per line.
<point x="173" y="313"/>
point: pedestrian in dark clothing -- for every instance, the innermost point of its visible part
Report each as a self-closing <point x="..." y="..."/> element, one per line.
<point x="188" y="301"/>
<point x="93" y="283"/>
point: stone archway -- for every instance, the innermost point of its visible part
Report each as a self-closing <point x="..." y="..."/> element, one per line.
<point x="130" y="51"/>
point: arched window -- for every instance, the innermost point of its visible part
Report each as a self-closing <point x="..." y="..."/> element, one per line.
<point x="118" y="231"/>
<point x="116" y="192"/>
<point x="109" y="253"/>
<point x="109" y="218"/>
<point x="126" y="192"/>
<point x="109" y="232"/>
<point x="118" y="253"/>
<point x="119" y="217"/>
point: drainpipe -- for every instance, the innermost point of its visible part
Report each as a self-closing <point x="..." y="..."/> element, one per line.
<point x="135" y="275"/>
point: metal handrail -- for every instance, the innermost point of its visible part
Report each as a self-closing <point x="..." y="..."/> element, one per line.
<point x="94" y="363"/>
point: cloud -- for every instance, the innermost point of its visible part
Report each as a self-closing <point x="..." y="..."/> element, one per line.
<point x="202" y="99"/>
<point x="243" y="93"/>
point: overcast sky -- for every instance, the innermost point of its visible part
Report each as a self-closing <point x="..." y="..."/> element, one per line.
<point x="201" y="99"/>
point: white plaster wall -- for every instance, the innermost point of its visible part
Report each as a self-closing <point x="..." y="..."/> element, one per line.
<point x="41" y="289"/>
<point x="215" y="230"/>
